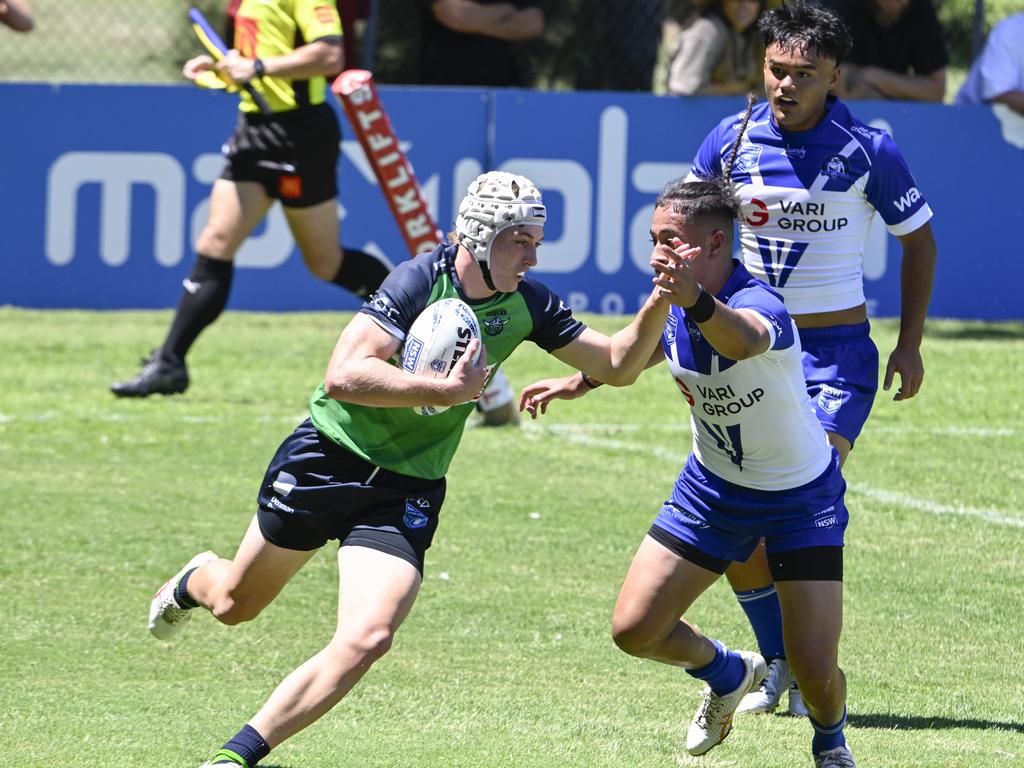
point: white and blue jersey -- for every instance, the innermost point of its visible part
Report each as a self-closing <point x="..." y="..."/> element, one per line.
<point x="761" y="464"/>
<point x="752" y="420"/>
<point x="808" y="200"/>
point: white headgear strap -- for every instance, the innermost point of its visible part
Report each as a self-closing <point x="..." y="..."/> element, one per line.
<point x="494" y="202"/>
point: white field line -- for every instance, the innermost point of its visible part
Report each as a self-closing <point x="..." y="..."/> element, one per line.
<point x="953" y="431"/>
<point x="579" y="434"/>
<point x="897" y="499"/>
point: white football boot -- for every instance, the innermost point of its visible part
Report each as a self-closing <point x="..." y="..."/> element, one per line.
<point x="713" y="720"/>
<point x="840" y="757"/>
<point x="765" y="698"/>
<point x="796" y="702"/>
<point x="166" y="617"/>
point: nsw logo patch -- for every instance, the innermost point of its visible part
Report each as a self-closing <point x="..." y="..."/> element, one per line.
<point x="747" y="158"/>
<point x="415" y="514"/>
<point x="830" y="399"/>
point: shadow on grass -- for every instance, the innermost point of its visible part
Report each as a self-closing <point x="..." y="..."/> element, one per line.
<point x="902" y="722"/>
<point x="1007" y="331"/>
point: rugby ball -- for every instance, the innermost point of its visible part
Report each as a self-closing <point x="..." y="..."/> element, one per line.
<point x="436" y="340"/>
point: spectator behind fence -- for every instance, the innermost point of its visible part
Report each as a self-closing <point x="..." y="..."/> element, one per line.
<point x="720" y="52"/>
<point x="16" y="14"/>
<point x="472" y="42"/>
<point x="899" y="51"/>
<point x="997" y="75"/>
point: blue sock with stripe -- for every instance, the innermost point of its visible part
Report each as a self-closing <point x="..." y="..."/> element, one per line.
<point x="246" y="748"/>
<point x="725" y="672"/>
<point x="828" y="737"/>
<point x="765" y="617"/>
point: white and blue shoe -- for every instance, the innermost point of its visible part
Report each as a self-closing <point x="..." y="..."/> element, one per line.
<point x="713" y="720"/>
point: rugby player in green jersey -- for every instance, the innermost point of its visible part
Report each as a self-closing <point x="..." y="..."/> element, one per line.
<point x="367" y="470"/>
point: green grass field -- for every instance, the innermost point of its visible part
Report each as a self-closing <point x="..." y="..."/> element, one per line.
<point x="506" y="660"/>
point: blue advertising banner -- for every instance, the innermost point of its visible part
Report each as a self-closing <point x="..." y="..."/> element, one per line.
<point x="104" y="189"/>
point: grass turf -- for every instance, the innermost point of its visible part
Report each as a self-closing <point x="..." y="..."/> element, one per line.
<point x="506" y="659"/>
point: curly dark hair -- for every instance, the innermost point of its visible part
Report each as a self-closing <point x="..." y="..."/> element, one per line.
<point x="709" y="199"/>
<point x="800" y="26"/>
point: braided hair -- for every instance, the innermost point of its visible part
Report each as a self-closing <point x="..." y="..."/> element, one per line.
<point x="734" y="150"/>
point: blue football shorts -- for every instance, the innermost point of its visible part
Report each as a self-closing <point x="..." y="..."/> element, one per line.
<point x="725" y="521"/>
<point x="841" y="370"/>
<point x="315" y="490"/>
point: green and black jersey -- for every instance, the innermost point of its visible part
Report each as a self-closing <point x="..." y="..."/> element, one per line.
<point x="399" y="439"/>
<point x="264" y="28"/>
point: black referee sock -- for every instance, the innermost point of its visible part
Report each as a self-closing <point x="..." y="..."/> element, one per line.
<point x="360" y="272"/>
<point x="202" y="301"/>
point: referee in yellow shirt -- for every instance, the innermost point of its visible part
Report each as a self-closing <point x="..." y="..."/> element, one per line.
<point x="287" y="48"/>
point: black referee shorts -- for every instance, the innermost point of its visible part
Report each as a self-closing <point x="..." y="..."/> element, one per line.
<point x="315" y="490"/>
<point x="294" y="155"/>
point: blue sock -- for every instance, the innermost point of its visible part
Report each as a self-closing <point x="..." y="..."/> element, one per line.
<point x="181" y="595"/>
<point x="725" y="672"/>
<point x="247" y="746"/>
<point x="828" y="736"/>
<point x="765" y="617"/>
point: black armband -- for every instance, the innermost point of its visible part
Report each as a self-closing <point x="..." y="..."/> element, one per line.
<point x="258" y="68"/>
<point x="591" y="384"/>
<point x="703" y="308"/>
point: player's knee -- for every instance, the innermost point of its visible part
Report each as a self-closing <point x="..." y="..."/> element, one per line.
<point x="632" y="637"/>
<point x="817" y="675"/>
<point x="365" y="644"/>
<point x="216" y="243"/>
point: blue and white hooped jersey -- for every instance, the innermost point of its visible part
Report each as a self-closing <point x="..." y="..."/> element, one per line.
<point x="809" y="198"/>
<point x="753" y="423"/>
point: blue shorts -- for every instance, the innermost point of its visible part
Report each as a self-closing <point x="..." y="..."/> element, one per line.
<point x="841" y="370"/>
<point x="726" y="521"/>
<point x="315" y="490"/>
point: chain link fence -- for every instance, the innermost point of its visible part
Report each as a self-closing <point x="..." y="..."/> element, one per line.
<point x="587" y="44"/>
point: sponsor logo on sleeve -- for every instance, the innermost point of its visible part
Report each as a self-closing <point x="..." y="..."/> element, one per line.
<point x="907" y="199"/>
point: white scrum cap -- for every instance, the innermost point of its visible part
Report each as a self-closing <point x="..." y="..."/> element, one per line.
<point x="494" y="202"/>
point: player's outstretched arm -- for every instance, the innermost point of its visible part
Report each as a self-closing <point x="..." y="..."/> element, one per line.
<point x="917" y="273"/>
<point x="535" y="397"/>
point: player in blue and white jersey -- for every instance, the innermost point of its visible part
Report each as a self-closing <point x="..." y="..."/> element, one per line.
<point x="761" y="467"/>
<point x="811" y="178"/>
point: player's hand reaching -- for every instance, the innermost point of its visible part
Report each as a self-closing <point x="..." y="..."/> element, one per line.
<point x="908" y="364"/>
<point x="535" y="397"/>
<point x="675" y="281"/>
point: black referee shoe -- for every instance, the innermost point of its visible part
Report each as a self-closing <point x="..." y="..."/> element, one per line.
<point x="157" y="377"/>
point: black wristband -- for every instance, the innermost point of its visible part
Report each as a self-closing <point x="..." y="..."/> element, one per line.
<point x="591" y="384"/>
<point x="703" y="308"/>
<point x="258" y="68"/>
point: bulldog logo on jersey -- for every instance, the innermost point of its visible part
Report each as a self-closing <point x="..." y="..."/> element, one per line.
<point x="836" y="167"/>
<point x="414" y="516"/>
<point x="747" y="158"/>
<point x="495" y="321"/>
<point x="830" y="399"/>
